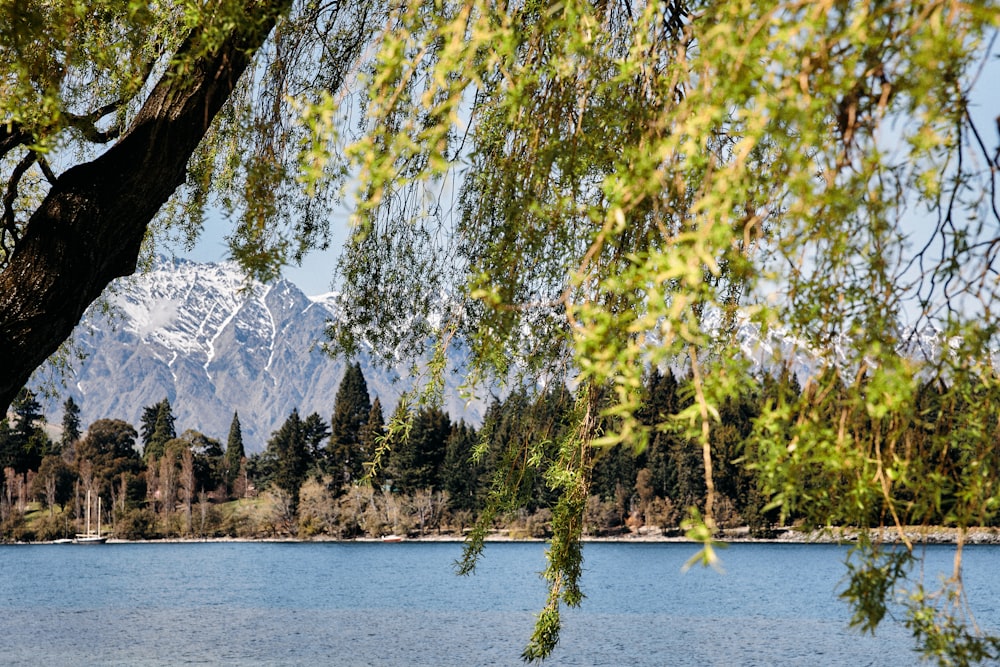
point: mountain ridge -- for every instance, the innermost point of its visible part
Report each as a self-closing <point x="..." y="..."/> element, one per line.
<point x="212" y="343"/>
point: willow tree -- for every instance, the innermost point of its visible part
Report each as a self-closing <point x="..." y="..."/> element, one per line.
<point x="596" y="189"/>
<point x="118" y="119"/>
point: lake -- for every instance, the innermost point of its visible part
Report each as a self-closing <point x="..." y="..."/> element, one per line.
<point x="400" y="604"/>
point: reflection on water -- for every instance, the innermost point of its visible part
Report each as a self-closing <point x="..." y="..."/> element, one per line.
<point x="401" y="604"/>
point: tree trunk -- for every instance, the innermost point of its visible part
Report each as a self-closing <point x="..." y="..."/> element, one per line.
<point x="89" y="228"/>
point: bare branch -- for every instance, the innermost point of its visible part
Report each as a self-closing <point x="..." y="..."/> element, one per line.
<point x="46" y="169"/>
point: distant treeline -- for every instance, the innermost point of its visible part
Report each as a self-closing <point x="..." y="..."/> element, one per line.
<point x="314" y="477"/>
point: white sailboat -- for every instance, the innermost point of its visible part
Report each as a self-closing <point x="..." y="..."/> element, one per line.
<point x="89" y="537"/>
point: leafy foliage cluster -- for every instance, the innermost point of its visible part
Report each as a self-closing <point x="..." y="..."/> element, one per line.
<point x="637" y="181"/>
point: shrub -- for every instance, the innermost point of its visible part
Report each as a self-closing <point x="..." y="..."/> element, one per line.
<point x="136" y="524"/>
<point x="54" y="527"/>
<point x="15" y="529"/>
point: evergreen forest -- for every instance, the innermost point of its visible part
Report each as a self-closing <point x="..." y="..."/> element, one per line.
<point x="442" y="476"/>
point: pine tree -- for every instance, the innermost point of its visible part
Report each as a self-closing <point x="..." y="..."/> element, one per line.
<point x="147" y="423"/>
<point x="24" y="445"/>
<point x="27" y="411"/>
<point x="70" y="423"/>
<point x="351" y="410"/>
<point x="373" y="429"/>
<point x="614" y="477"/>
<point x="661" y="402"/>
<point x="316" y="432"/>
<point x="549" y="420"/>
<point x="290" y="452"/>
<point x="731" y="443"/>
<point x="416" y="463"/>
<point x="461" y="476"/>
<point x="235" y="452"/>
<point x="157" y="429"/>
<point x="506" y="436"/>
<point x="371" y="433"/>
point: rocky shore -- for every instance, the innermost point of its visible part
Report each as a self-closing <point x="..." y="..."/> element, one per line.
<point x="916" y="535"/>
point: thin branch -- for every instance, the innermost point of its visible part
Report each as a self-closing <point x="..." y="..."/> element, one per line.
<point x="706" y="446"/>
<point x="12" y="136"/>
<point x="8" y="223"/>
<point x="43" y="164"/>
<point x="994" y="161"/>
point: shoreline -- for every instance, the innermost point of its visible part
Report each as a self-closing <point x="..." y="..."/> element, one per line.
<point x="916" y="535"/>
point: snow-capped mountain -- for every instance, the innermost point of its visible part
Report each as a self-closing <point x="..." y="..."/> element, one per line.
<point x="202" y="337"/>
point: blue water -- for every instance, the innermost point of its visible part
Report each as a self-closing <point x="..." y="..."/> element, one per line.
<point x="401" y="604"/>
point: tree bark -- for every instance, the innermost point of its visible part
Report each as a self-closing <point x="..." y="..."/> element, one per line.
<point x="89" y="228"/>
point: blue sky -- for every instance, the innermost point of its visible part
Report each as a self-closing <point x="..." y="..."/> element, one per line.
<point x="313" y="277"/>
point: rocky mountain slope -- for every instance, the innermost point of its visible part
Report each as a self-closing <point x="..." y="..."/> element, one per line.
<point x="198" y="335"/>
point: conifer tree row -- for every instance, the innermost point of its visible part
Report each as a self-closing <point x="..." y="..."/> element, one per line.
<point x="443" y="475"/>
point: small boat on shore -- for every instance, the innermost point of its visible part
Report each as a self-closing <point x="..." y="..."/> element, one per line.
<point x="392" y="538"/>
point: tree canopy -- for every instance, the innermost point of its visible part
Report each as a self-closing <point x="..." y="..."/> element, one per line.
<point x="583" y="190"/>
